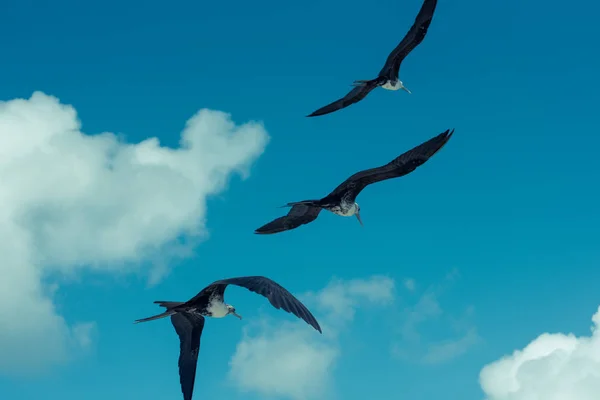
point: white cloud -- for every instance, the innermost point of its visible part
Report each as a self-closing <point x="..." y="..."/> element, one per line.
<point x="409" y="284"/>
<point x="554" y="366"/>
<point x="291" y="360"/>
<point x="340" y="298"/>
<point x="82" y="334"/>
<point x="414" y="344"/>
<point x="446" y="350"/>
<point x="71" y="201"/>
<point x="425" y="309"/>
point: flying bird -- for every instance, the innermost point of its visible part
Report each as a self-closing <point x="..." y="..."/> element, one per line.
<point x="341" y="200"/>
<point x="188" y="317"/>
<point x="388" y="76"/>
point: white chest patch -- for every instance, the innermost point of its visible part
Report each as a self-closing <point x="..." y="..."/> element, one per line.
<point x="346" y="211"/>
<point x="392" y="85"/>
<point x="217" y="309"/>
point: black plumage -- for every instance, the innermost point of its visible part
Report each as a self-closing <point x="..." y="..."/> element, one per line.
<point x="188" y="327"/>
<point x="390" y="72"/>
<point x="342" y="200"/>
<point x="188" y="317"/>
<point x="299" y="214"/>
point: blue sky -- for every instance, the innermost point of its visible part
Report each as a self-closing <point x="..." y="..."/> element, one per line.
<point x="497" y="234"/>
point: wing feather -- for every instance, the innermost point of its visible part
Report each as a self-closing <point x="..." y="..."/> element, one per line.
<point x="400" y="166"/>
<point x="298" y="215"/>
<point x="412" y="39"/>
<point x="354" y="96"/>
<point x="189" y="328"/>
<point x="278" y="296"/>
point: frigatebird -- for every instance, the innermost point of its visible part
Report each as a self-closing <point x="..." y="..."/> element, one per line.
<point x="341" y="200"/>
<point x="188" y="317"/>
<point x="388" y="76"/>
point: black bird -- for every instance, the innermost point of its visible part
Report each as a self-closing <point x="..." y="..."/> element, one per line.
<point x="188" y="317"/>
<point x="342" y="200"/>
<point x="388" y="76"/>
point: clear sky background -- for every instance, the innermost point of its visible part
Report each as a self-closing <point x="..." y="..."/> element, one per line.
<point x="116" y="191"/>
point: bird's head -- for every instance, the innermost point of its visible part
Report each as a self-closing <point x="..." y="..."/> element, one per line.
<point x="231" y="310"/>
<point x="357" y="213"/>
<point x="404" y="87"/>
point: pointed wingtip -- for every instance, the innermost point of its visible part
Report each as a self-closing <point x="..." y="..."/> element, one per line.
<point x="316" y="325"/>
<point x="446" y="138"/>
<point x="266" y="232"/>
<point x="447" y="133"/>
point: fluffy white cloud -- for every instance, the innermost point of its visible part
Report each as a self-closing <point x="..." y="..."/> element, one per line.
<point x="292" y="360"/>
<point x="71" y="201"/>
<point x="554" y="366"/>
<point x="288" y="361"/>
<point x="341" y="298"/>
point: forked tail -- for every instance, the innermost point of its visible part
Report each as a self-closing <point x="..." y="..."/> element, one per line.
<point x="169" y="305"/>
<point x="366" y="82"/>
<point x="305" y="202"/>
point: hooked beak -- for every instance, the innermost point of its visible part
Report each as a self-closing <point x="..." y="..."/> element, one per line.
<point x="406" y="90"/>
<point x="237" y="315"/>
<point x="359" y="219"/>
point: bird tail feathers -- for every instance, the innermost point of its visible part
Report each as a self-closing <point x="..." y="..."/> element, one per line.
<point x="167" y="313"/>
<point x="306" y="202"/>
<point x="364" y="82"/>
<point x="169" y="305"/>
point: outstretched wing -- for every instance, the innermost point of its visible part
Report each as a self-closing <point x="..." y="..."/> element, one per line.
<point x="189" y="329"/>
<point x="299" y="214"/>
<point x="412" y="39"/>
<point x="354" y="96"/>
<point x="279" y="297"/>
<point x="400" y="166"/>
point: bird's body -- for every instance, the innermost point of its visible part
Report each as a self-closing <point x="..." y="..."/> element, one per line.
<point x="388" y="77"/>
<point x="188" y="317"/>
<point x="393" y="85"/>
<point x="344" y="209"/>
<point x="217" y="309"/>
<point x="342" y="200"/>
